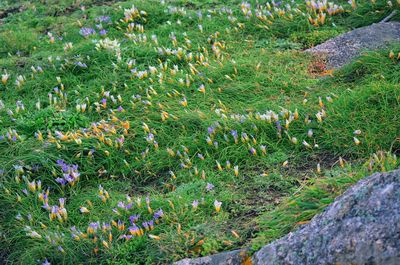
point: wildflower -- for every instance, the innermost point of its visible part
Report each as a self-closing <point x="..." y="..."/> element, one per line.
<point x="105" y="244"/>
<point x="357" y="132"/>
<point x="296" y="115"/>
<point x="263" y="149"/>
<point x="4" y="78"/>
<point x="84" y="210"/>
<point x="245" y="137"/>
<point x="85" y="32"/>
<point x="209" y="187"/>
<point x="353" y="3"/>
<point x="310" y="133"/>
<point x="120" y="225"/>
<point x="215" y="143"/>
<point x="356" y="141"/>
<point x="19" y="217"/>
<point x="158" y="214"/>
<point x="319" y="116"/>
<point x="217" y="206"/>
<point x="154" y="237"/>
<point x="68" y="46"/>
<point x="341" y="162"/>
<point x="253" y="151"/>
<point x="34" y="234"/>
<point x="184" y="102"/>
<point x="306" y="144"/>
<point x="202" y="89"/>
<point x="203" y="174"/>
<point x="32" y="186"/>
<point x="103" y="19"/>
<point x="195" y="204"/>
<point x="235" y="234"/>
<point x="219" y="166"/>
<point x="235" y="136"/>
<point x="80" y="64"/>
<point x="70" y="173"/>
<point x="134" y="218"/>
<point x="236" y="170"/>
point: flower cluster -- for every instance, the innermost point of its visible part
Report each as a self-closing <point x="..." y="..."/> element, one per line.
<point x="70" y="174"/>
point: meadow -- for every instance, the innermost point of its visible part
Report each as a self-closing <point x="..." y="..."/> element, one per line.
<point x="144" y="132"/>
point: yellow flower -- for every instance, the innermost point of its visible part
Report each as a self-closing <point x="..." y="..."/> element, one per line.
<point x="341" y="161"/>
<point x="154" y="237"/>
<point x="4" y="78"/>
<point x="236" y="170"/>
<point x="84" y="210"/>
<point x="219" y="166"/>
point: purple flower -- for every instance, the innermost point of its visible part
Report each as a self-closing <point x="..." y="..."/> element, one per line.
<point x="104" y="19"/>
<point x="85" y="32"/>
<point x="70" y="173"/>
<point x="234" y="133"/>
<point x="134" y="218"/>
<point x="278" y="126"/>
<point x="103" y="32"/>
<point x="209" y="187"/>
<point x="253" y="151"/>
<point x="133" y="229"/>
<point x="80" y="64"/>
<point x="158" y="214"/>
<point x="94" y="225"/>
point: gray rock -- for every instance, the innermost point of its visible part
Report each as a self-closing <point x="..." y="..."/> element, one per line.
<point x="361" y="227"/>
<point x="224" y="258"/>
<point x="342" y="49"/>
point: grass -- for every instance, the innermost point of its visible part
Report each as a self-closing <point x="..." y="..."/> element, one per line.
<point x="220" y="121"/>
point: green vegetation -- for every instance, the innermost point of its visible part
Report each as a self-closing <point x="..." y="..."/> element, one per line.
<point x="144" y="132"/>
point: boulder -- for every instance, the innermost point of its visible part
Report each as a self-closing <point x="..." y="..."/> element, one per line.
<point x="345" y="47"/>
<point x="360" y="227"/>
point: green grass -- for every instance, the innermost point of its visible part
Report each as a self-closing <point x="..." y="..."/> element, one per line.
<point x="149" y="140"/>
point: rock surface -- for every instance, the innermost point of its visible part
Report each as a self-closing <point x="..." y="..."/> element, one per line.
<point x="342" y="49"/>
<point x="361" y="227"/>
